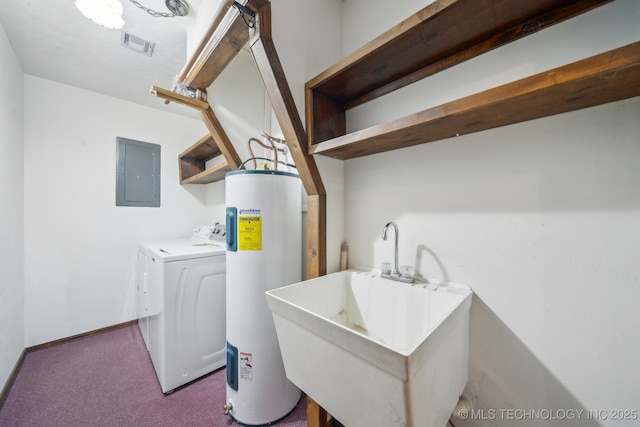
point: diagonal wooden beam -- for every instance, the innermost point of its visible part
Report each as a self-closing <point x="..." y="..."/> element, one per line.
<point x="220" y="137"/>
<point x="218" y="16"/>
<point x="226" y="36"/>
<point x="210" y="120"/>
<point x="275" y="82"/>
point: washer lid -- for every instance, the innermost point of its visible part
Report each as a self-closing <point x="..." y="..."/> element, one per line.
<point x="145" y="245"/>
<point x="185" y="249"/>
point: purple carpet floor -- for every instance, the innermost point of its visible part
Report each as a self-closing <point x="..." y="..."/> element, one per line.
<point x="108" y="380"/>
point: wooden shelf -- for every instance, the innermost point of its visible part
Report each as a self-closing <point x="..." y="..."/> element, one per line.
<point x="441" y="35"/>
<point x="608" y="77"/>
<point x="214" y="174"/>
<point x="192" y="163"/>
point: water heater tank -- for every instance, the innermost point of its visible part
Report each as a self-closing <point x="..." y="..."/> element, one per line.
<point x="264" y="251"/>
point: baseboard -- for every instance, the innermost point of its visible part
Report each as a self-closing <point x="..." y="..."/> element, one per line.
<point x="80" y="336"/>
<point x="12" y="378"/>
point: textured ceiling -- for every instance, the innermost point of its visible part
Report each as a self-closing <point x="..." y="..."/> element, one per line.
<point x="53" y="40"/>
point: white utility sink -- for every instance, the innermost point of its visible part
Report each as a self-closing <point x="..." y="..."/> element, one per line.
<point x="374" y="352"/>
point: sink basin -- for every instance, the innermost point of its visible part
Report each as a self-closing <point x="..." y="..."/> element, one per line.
<point x="374" y="352"/>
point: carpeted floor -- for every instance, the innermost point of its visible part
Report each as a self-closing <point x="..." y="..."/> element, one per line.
<point x="108" y="380"/>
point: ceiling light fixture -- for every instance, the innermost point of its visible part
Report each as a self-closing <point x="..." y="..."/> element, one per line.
<point x="176" y="8"/>
<point x="107" y="13"/>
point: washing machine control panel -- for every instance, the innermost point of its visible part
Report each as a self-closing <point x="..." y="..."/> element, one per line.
<point x="215" y="232"/>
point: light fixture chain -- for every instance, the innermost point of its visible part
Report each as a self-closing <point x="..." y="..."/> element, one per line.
<point x="153" y="12"/>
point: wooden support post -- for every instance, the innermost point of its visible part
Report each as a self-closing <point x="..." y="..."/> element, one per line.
<point x="275" y="82"/>
<point x="316" y="235"/>
<point x="316" y="415"/>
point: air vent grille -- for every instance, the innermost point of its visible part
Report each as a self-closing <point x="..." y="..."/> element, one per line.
<point x="137" y="43"/>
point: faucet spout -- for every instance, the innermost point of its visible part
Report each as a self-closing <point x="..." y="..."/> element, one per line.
<point x="395" y="274"/>
<point x="396" y="271"/>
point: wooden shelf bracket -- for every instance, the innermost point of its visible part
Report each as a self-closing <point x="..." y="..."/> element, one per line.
<point x="193" y="156"/>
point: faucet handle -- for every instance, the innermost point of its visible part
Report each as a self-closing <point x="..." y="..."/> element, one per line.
<point x="406" y="271"/>
<point x="386" y="268"/>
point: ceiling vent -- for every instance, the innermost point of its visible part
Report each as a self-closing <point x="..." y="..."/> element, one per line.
<point x="136" y="43"/>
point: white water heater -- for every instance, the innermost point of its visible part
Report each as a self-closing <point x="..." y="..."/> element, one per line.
<point x="264" y="251"/>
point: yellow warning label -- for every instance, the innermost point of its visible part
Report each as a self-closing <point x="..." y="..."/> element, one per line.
<point x="250" y="233"/>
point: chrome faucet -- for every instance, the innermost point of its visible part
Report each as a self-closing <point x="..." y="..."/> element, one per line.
<point x="395" y="273"/>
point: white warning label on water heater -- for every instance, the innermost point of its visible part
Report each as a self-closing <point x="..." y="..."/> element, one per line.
<point x="246" y="365"/>
<point x="250" y="232"/>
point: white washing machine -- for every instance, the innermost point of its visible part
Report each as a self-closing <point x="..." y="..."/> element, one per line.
<point x="143" y="298"/>
<point x="182" y="305"/>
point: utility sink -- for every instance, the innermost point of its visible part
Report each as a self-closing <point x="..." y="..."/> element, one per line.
<point x="375" y="352"/>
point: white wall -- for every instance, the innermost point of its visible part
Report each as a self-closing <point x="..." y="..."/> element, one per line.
<point x="11" y="210"/>
<point x="79" y="247"/>
<point x="541" y="219"/>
